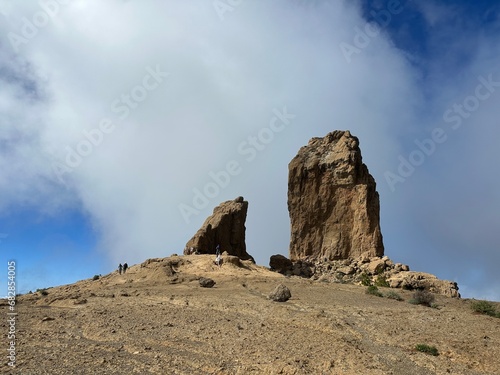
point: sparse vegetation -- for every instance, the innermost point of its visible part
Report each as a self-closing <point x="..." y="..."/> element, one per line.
<point x="365" y="279"/>
<point x="382" y="281"/>
<point x="394" y="295"/>
<point x="485" y="307"/>
<point x="373" y="290"/>
<point x="96" y="277"/>
<point x="424" y="348"/>
<point x="130" y="314"/>
<point x="43" y="291"/>
<point x="422" y="297"/>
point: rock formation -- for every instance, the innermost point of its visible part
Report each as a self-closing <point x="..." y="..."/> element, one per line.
<point x="380" y="271"/>
<point x="376" y="269"/>
<point x="225" y="227"/>
<point x="332" y="201"/>
<point x="280" y="263"/>
<point x="423" y="281"/>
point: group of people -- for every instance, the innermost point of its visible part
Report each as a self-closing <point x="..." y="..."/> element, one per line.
<point x="218" y="260"/>
<point x="122" y="268"/>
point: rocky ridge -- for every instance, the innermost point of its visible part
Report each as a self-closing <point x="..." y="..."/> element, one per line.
<point x="363" y="270"/>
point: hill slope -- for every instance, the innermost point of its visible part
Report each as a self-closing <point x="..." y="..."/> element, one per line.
<point x="156" y="319"/>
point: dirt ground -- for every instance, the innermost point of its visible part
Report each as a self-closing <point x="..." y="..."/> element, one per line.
<point x="156" y="319"/>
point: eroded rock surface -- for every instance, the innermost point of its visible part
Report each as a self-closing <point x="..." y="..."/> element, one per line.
<point x="332" y="201"/>
<point x="226" y="228"/>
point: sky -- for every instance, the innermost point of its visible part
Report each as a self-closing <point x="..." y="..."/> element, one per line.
<point x="124" y="123"/>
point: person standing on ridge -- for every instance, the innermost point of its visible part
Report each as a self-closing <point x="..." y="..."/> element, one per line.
<point x="218" y="259"/>
<point x="120" y="268"/>
<point x="125" y="266"/>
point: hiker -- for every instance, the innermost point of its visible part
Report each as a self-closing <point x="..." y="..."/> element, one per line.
<point x="125" y="266"/>
<point x="217" y="250"/>
<point x="120" y="268"/>
<point x="218" y="260"/>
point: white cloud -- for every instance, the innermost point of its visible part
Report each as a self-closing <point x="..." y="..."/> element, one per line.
<point x="225" y="80"/>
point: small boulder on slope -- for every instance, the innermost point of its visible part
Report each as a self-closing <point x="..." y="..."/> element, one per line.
<point x="206" y="282"/>
<point x="280" y="294"/>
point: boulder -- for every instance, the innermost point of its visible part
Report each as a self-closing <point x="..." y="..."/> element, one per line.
<point x="303" y="268"/>
<point x="280" y="294"/>
<point x="401" y="267"/>
<point x="280" y="263"/>
<point x="226" y="228"/>
<point x="347" y="270"/>
<point x="332" y="201"/>
<point x="206" y="282"/>
<point x="375" y="267"/>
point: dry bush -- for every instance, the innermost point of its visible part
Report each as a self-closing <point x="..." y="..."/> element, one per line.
<point x="422" y="297"/>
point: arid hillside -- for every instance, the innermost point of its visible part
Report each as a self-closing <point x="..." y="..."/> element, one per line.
<point x="157" y="319"/>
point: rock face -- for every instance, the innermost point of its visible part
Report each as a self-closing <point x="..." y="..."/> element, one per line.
<point x="332" y="201"/>
<point x="225" y="227"/>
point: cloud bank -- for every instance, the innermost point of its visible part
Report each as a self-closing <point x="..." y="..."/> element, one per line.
<point x="128" y="111"/>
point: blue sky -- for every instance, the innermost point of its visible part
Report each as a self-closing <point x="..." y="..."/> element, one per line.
<point x="110" y="126"/>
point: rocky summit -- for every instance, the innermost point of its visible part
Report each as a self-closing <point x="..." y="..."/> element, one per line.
<point x="157" y="318"/>
<point x="331" y="309"/>
<point x="226" y="228"/>
<point x="332" y="201"/>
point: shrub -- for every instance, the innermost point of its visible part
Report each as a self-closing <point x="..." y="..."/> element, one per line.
<point x="382" y="281"/>
<point x="485" y="307"/>
<point x="43" y="291"/>
<point x="365" y="279"/>
<point x="393" y="295"/>
<point x="96" y="277"/>
<point x="424" y="348"/>
<point x="422" y="297"/>
<point x="373" y="290"/>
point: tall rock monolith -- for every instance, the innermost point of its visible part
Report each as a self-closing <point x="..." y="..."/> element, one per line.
<point x="226" y="228"/>
<point x="332" y="201"/>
